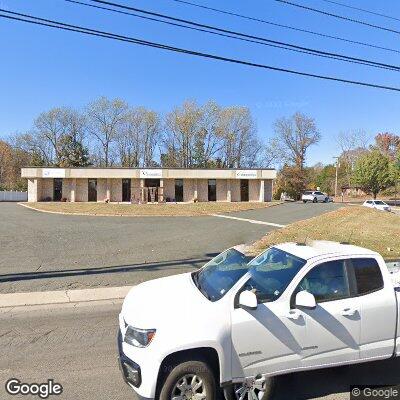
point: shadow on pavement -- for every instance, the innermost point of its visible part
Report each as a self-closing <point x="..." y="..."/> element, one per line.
<point x="330" y="381"/>
<point x="193" y="263"/>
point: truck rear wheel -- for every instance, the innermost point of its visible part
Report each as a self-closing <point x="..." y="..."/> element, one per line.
<point x="190" y="380"/>
<point x="252" y="388"/>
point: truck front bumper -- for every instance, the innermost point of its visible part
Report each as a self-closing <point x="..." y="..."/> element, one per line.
<point x="130" y="370"/>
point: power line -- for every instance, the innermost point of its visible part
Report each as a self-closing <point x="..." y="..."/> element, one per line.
<point x="362" y="9"/>
<point x="263" y="21"/>
<point x="265" y="42"/>
<point x="356" y="21"/>
<point x="225" y="31"/>
<point x="92" y="32"/>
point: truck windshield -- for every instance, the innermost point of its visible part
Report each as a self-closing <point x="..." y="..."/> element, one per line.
<point x="221" y="273"/>
<point x="270" y="273"/>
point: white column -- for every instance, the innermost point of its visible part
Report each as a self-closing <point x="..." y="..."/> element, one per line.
<point x="33" y="190"/>
<point x="108" y="189"/>
<point x="73" y="190"/>
<point x="262" y="190"/>
<point x="195" y="192"/>
<point x="228" y="190"/>
<point x="161" y="192"/>
<point x="142" y="191"/>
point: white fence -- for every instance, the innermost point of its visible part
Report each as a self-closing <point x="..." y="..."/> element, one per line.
<point x="13" y="196"/>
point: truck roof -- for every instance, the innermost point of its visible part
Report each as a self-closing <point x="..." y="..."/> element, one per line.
<point x="317" y="248"/>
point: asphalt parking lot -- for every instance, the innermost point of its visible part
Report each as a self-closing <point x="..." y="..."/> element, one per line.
<point x="41" y="251"/>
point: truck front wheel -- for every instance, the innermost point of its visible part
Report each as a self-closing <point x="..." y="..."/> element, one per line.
<point x="251" y="388"/>
<point x="190" y="380"/>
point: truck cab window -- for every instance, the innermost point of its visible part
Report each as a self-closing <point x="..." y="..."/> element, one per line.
<point x="327" y="281"/>
<point x="367" y="274"/>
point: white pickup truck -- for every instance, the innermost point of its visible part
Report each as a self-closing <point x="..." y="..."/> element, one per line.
<point x="237" y="325"/>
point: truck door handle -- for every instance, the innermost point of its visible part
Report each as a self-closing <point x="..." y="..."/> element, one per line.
<point x="348" y="312"/>
<point x="293" y="314"/>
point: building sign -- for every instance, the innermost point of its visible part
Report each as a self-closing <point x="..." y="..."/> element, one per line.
<point x="151" y="173"/>
<point x="53" y="173"/>
<point x="246" y="174"/>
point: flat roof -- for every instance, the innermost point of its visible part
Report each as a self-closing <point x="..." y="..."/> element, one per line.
<point x="138" y="168"/>
<point x="161" y="173"/>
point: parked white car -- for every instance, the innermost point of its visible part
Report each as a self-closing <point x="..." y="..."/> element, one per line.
<point x="236" y="326"/>
<point x="315" y="197"/>
<point x="377" y="204"/>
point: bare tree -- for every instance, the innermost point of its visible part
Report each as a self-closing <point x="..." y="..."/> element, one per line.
<point x="183" y="126"/>
<point x="138" y="137"/>
<point x="150" y="136"/>
<point x="105" y="121"/>
<point x="241" y="146"/>
<point x="49" y="129"/>
<point x="294" y="136"/>
<point x="209" y="138"/>
<point x="352" y="145"/>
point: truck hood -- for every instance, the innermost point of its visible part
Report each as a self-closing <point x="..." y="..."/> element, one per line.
<point x="159" y="302"/>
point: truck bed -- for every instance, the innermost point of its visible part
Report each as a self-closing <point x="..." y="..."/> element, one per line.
<point x="394" y="270"/>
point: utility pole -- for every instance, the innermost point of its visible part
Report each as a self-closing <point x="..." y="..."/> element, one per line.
<point x="336" y="177"/>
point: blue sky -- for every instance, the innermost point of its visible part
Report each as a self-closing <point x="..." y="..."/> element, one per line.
<point x="41" y="67"/>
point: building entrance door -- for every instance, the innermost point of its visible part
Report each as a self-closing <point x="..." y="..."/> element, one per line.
<point x="57" y="189"/>
<point x="244" y="190"/>
<point x="126" y="190"/>
<point x="178" y="190"/>
<point x="92" y="190"/>
<point x="212" y="190"/>
<point x="152" y="192"/>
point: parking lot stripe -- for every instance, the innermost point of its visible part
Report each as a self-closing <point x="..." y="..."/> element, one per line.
<point x="251" y="221"/>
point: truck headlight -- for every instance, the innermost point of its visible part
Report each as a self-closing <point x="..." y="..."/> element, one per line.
<point x="139" y="337"/>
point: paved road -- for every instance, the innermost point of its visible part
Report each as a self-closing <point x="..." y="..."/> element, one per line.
<point x="77" y="348"/>
<point x="42" y="251"/>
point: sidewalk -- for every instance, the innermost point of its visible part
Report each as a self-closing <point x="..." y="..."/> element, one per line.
<point x="29" y="299"/>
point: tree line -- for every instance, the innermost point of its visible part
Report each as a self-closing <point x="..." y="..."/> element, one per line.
<point x="371" y="167"/>
<point x="110" y="132"/>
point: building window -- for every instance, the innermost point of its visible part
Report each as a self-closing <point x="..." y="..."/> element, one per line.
<point x="92" y="190"/>
<point x="57" y="189"/>
<point x="178" y="190"/>
<point x="244" y="190"/>
<point x="126" y="190"/>
<point x="212" y="190"/>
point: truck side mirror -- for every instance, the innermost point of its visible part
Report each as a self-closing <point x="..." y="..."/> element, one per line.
<point x="248" y="299"/>
<point x="305" y="299"/>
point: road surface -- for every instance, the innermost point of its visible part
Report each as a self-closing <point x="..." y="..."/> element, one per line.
<point x="76" y="346"/>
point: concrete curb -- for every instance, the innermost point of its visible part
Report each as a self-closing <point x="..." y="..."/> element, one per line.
<point x="139" y="216"/>
<point x="62" y="296"/>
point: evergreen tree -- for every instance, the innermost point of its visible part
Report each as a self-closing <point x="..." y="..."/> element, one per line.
<point x="72" y="153"/>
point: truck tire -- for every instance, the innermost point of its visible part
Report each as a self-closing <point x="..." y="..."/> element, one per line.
<point x="190" y="379"/>
<point x="304" y="201"/>
<point x="315" y="200"/>
<point x="231" y="391"/>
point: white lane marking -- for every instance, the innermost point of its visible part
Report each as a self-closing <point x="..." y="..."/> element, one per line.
<point x="251" y="221"/>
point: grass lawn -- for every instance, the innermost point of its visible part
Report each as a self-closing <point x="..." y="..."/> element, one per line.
<point x="376" y="230"/>
<point x="167" y="209"/>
